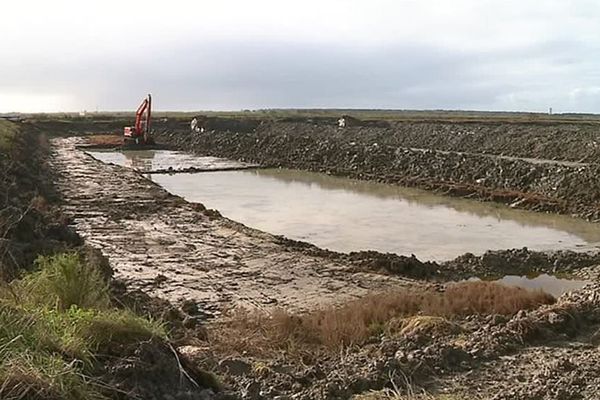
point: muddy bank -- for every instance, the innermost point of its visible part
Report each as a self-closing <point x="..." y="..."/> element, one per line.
<point x="493" y="264"/>
<point x="550" y="353"/>
<point x="366" y="153"/>
<point x="165" y="246"/>
<point x="176" y="250"/>
<point x="32" y="224"/>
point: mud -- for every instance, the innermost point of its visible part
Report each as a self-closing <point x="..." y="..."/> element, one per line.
<point x="30" y="224"/>
<point x="548" y="353"/>
<point x="160" y="243"/>
<point x="205" y="263"/>
<point x="33" y="224"/>
<point x="166" y="161"/>
<point x="385" y="155"/>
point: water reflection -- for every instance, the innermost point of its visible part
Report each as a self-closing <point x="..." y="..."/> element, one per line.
<point x="346" y="215"/>
<point x="548" y="283"/>
<point x="589" y="231"/>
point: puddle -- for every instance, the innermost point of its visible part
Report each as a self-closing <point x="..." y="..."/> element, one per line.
<point x="147" y="161"/>
<point x="548" y="283"/>
<point x="349" y="215"/>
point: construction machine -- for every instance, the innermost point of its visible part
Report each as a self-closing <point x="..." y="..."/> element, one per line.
<point x="140" y="133"/>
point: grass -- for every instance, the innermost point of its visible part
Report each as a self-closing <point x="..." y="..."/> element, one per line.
<point x="63" y="281"/>
<point x="388" y="394"/>
<point x="8" y="132"/>
<point x="51" y="334"/>
<point x="402" y="312"/>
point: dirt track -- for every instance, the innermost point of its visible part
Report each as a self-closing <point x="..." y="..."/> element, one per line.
<point x="173" y="249"/>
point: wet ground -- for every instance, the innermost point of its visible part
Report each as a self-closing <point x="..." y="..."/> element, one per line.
<point x="348" y="215"/>
<point x="173" y="249"/>
<point x="158" y="161"/>
<point x="548" y="283"/>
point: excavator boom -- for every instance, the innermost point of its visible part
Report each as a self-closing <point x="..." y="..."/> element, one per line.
<point x="140" y="133"/>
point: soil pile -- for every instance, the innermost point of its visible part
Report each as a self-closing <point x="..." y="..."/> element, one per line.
<point x="382" y="154"/>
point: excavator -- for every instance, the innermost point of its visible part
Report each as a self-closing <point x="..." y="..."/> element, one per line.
<point x="140" y="133"/>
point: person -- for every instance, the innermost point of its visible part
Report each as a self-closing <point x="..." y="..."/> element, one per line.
<point x="194" y="125"/>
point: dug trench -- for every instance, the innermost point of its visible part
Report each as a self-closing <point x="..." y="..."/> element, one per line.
<point x="66" y="329"/>
<point x="313" y="333"/>
<point x="535" y="167"/>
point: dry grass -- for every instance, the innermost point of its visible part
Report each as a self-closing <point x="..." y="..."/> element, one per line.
<point x="354" y="323"/>
<point x="388" y="394"/>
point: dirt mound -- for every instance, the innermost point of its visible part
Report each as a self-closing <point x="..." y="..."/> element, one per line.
<point x="376" y="154"/>
<point x="497" y="263"/>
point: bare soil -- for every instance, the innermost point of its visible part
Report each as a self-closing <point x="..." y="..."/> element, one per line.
<point x="536" y="167"/>
<point x="180" y="251"/>
<point x="206" y="264"/>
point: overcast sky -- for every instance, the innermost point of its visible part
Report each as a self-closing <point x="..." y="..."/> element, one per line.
<point x="228" y="55"/>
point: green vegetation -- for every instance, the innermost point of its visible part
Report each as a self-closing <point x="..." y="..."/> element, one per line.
<point x="8" y="132"/>
<point x="51" y="333"/>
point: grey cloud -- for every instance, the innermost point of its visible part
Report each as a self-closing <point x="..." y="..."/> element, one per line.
<point x="236" y="75"/>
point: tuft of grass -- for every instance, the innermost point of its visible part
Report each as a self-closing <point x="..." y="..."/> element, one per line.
<point x="63" y="281"/>
<point x="355" y="322"/>
<point x="8" y="133"/>
<point x="117" y="328"/>
<point x="51" y="336"/>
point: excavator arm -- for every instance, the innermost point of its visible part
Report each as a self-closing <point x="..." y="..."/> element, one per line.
<point x="141" y="128"/>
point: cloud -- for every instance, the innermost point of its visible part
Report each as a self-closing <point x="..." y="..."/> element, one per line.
<point x="510" y="55"/>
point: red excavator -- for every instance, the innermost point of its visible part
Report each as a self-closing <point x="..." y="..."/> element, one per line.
<point x="140" y="133"/>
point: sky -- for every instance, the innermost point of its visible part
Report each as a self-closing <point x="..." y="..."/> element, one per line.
<point x="239" y="54"/>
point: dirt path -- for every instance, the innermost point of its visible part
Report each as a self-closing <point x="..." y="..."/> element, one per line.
<point x="170" y="248"/>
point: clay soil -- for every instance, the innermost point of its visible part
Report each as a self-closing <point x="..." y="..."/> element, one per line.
<point x="208" y="266"/>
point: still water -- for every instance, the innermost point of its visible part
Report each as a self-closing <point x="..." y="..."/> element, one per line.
<point x="162" y="160"/>
<point x="349" y="215"/>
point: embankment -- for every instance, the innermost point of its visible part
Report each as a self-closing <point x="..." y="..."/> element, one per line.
<point x="65" y="332"/>
<point x="423" y="155"/>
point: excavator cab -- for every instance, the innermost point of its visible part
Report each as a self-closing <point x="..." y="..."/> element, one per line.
<point x="140" y="133"/>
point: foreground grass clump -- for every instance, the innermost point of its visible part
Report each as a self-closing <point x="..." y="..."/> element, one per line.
<point x="51" y="334"/>
<point x="63" y="281"/>
<point x="8" y="132"/>
<point x="403" y="312"/>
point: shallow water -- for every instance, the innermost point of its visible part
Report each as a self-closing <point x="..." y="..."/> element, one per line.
<point x="548" y="283"/>
<point x="349" y="215"/>
<point x="161" y="160"/>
